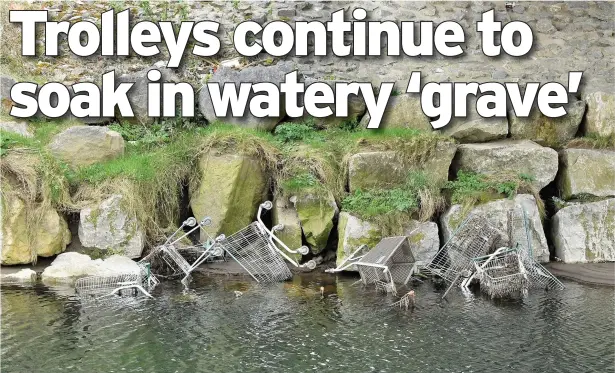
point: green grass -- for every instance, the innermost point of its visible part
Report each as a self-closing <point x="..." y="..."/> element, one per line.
<point x="593" y="141"/>
<point x="470" y="189"/>
<point x="419" y="198"/>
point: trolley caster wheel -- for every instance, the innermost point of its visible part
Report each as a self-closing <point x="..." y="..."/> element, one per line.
<point x="206" y="222"/>
<point x="267" y="205"/>
<point x="310" y="265"/>
<point x="304" y="250"/>
<point x="217" y="251"/>
<point x="277" y="228"/>
<point x="221" y="237"/>
<point x="190" y="222"/>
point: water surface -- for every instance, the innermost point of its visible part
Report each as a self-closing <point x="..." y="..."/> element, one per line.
<point x="289" y="328"/>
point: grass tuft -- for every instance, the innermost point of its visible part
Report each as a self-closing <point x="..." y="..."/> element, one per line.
<point x="593" y="141"/>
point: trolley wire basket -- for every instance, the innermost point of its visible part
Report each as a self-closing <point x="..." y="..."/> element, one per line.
<point x="260" y="252"/>
<point x="473" y="238"/>
<point x="105" y="286"/>
<point x="502" y="274"/>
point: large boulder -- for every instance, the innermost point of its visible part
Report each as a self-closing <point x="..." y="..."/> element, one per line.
<point x="600" y="117"/>
<point x="138" y="94"/>
<point x="30" y="231"/>
<point x="68" y="267"/>
<point x="497" y="214"/>
<point x="424" y="240"/>
<point x="585" y="232"/>
<point x="110" y="227"/>
<point x="85" y="145"/>
<point x="6" y="83"/>
<point x="355" y="106"/>
<point x="317" y="213"/>
<point x="284" y="213"/>
<point x="20" y="128"/>
<point x="515" y="156"/>
<point x="354" y="233"/>
<point x="380" y="169"/>
<point x="254" y="74"/>
<point x="586" y="172"/>
<point x="552" y="132"/>
<point x="474" y="128"/>
<point x="21" y="276"/>
<point x="230" y="189"/>
<point x="403" y="111"/>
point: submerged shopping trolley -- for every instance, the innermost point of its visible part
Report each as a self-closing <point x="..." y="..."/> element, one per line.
<point x="105" y="287"/>
<point x="260" y="252"/>
<point x="474" y="237"/>
<point x="389" y="263"/>
<point x="520" y="234"/>
<point x="169" y="253"/>
<point x="502" y="274"/>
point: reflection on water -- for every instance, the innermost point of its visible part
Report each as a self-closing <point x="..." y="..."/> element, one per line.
<point x="291" y="327"/>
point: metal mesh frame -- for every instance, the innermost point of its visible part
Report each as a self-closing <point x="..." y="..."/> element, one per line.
<point x="502" y="274"/>
<point x="519" y="232"/>
<point x="390" y="261"/>
<point x="473" y="238"/>
<point x="251" y="248"/>
<point x="95" y="287"/>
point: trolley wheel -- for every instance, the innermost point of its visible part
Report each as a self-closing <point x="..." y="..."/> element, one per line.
<point x="310" y="265"/>
<point x="206" y="222"/>
<point x="190" y="222"/>
<point x="277" y="228"/>
<point x="304" y="250"/>
<point x="217" y="251"/>
<point x="267" y="205"/>
<point x="221" y="237"/>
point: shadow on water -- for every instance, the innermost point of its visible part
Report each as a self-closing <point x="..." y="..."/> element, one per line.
<point x="233" y="324"/>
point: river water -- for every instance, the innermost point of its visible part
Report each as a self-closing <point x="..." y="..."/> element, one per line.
<point x="289" y="327"/>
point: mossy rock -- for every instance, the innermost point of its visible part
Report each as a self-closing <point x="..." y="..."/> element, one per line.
<point x="284" y="213"/>
<point x="30" y="231"/>
<point x="403" y="111"/>
<point x="386" y="169"/>
<point x="317" y="212"/>
<point x="585" y="232"/>
<point x="552" y="132"/>
<point x="586" y="172"/>
<point x="353" y="233"/>
<point x="600" y="117"/>
<point x="229" y="190"/>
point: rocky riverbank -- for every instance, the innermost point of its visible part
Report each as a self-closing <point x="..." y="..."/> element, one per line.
<point x="120" y="186"/>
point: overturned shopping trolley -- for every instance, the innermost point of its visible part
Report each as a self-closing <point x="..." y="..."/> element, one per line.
<point x="260" y="252"/>
<point x="105" y="287"/>
<point x="502" y="274"/>
<point x="473" y="238"/>
<point x="389" y="263"/>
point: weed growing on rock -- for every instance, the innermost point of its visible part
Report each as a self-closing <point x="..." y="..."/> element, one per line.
<point x="593" y="141"/>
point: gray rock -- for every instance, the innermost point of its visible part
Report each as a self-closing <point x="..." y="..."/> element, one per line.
<point x="496" y="213"/>
<point x="474" y="128"/>
<point x="356" y="107"/>
<point x="585" y="232"/>
<point x="552" y="132"/>
<point x="68" y="267"/>
<point x="24" y="275"/>
<point x="354" y="233"/>
<point x="515" y="156"/>
<point x="85" y="145"/>
<point x="137" y="96"/>
<point x="109" y="226"/>
<point x="20" y="128"/>
<point x="600" y="118"/>
<point x="424" y="240"/>
<point x="6" y="83"/>
<point x="380" y="169"/>
<point x="254" y="74"/>
<point x="586" y="172"/>
<point x="403" y="111"/>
